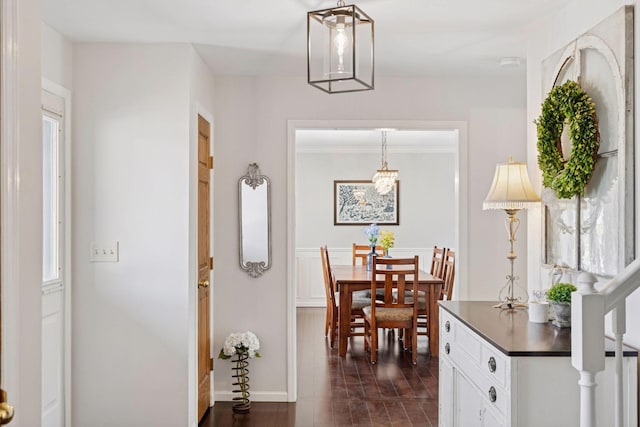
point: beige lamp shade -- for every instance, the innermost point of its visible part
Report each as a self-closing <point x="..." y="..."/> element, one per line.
<point x="511" y="188"/>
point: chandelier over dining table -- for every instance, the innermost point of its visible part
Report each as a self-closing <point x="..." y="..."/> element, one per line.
<point x="384" y="178"/>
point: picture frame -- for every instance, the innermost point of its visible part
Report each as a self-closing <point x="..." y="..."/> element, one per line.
<point x="356" y="202"/>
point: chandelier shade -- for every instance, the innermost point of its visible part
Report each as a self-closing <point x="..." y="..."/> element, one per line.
<point x="384" y="179"/>
<point x="340" y="49"/>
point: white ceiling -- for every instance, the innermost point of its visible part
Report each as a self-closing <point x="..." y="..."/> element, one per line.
<point x="340" y="141"/>
<point x="267" y="37"/>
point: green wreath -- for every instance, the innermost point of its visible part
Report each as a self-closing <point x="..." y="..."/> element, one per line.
<point x="571" y="104"/>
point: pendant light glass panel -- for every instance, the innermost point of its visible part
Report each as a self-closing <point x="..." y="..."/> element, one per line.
<point x="340" y="49"/>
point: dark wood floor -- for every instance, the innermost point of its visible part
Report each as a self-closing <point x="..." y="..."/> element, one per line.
<point x="335" y="391"/>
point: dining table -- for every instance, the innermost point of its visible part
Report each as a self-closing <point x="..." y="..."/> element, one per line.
<point x="351" y="278"/>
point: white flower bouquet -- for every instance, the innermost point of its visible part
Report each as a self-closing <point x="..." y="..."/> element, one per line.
<point x="240" y="342"/>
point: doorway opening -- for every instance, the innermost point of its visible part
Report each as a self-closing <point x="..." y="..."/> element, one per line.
<point x="320" y="152"/>
<point x="56" y="256"/>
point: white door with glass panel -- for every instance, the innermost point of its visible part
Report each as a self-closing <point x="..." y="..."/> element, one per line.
<point x="53" y="280"/>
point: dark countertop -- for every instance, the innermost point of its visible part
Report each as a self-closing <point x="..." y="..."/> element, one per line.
<point x="511" y="332"/>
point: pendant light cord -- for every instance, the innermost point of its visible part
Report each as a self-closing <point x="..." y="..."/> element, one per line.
<point x="384" y="149"/>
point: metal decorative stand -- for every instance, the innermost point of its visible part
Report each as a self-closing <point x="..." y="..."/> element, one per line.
<point x="241" y="378"/>
<point x="506" y="295"/>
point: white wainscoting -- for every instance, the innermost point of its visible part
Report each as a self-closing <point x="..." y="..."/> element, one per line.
<point x="309" y="281"/>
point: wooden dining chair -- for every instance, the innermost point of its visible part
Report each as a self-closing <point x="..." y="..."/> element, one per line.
<point x="448" y="275"/>
<point x="392" y="312"/>
<point x="437" y="261"/>
<point x="360" y="252"/>
<point x="447" y="268"/>
<point x="331" y="315"/>
<point x="436" y="270"/>
<point x="333" y="298"/>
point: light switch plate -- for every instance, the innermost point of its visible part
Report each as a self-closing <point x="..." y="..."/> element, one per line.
<point x="105" y="252"/>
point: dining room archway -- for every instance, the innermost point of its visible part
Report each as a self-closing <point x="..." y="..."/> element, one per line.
<point x="317" y="153"/>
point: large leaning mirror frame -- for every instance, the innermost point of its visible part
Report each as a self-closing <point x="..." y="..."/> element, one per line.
<point x="595" y="232"/>
<point x="254" y="210"/>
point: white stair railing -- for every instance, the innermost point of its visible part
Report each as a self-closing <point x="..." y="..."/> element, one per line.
<point x="588" y="308"/>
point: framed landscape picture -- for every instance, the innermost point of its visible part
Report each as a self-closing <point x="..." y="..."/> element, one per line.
<point x="358" y="203"/>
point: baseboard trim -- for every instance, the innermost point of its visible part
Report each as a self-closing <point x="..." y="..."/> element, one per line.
<point x="256" y="396"/>
<point x="315" y="302"/>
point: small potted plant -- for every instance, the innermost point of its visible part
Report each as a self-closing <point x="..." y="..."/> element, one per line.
<point x="560" y="297"/>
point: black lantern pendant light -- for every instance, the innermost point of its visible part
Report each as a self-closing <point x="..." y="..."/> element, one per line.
<point x="340" y="49"/>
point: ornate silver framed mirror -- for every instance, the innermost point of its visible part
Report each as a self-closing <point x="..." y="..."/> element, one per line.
<point x="254" y="210"/>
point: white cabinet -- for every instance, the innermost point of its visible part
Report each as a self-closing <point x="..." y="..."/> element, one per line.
<point x="497" y="369"/>
<point x="469" y="414"/>
<point x="445" y="388"/>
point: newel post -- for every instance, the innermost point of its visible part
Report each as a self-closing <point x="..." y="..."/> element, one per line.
<point x="587" y="343"/>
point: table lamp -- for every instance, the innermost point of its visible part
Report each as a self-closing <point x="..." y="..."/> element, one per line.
<point x="511" y="191"/>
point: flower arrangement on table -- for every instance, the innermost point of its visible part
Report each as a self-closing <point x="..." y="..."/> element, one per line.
<point x="243" y="345"/>
<point x="387" y="240"/>
<point x="372" y="233"/>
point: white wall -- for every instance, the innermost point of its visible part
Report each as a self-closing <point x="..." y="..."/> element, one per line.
<point x="201" y="103"/>
<point x="57" y="57"/>
<point x="427" y="198"/>
<point x="544" y="39"/>
<point x="22" y="184"/>
<point x="131" y="184"/>
<point x="251" y="126"/>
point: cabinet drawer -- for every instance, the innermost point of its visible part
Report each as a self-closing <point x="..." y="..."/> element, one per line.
<point x="486" y="386"/>
<point x="495" y="365"/>
<point x="457" y="341"/>
<point x="466" y="341"/>
<point x="446" y="321"/>
<point x="493" y="394"/>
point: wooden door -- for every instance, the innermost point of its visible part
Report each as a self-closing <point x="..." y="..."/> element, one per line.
<point x="7" y="62"/>
<point x="205" y="264"/>
<point x="6" y="410"/>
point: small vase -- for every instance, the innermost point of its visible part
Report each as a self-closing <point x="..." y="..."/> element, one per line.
<point x="386" y="255"/>
<point x="241" y="378"/>
<point x="563" y="314"/>
<point x="370" y="256"/>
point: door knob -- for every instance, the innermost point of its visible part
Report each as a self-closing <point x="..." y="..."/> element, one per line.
<point x="203" y="284"/>
<point x="6" y="410"/>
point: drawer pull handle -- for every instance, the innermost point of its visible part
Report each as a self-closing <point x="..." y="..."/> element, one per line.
<point x="447" y="326"/>
<point x="447" y="348"/>
<point x="492" y="394"/>
<point x="492" y="364"/>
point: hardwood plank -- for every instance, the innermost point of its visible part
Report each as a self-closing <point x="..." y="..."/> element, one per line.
<point x="348" y="391"/>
